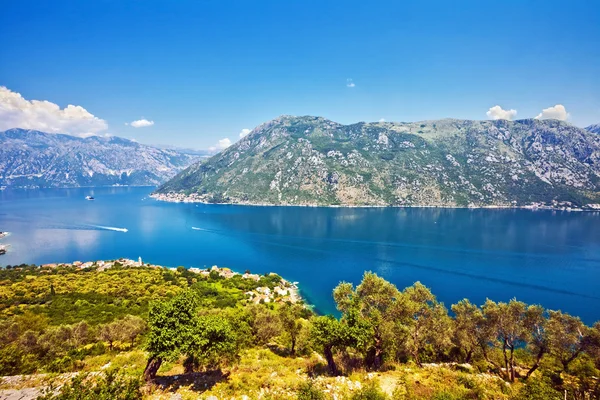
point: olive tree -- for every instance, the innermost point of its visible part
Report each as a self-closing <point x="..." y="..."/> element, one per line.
<point x="172" y="327"/>
<point x="425" y="321"/>
<point x="371" y="308"/>
<point x="566" y="337"/>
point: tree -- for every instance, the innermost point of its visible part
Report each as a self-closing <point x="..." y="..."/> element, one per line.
<point x="130" y="328"/>
<point x="213" y="343"/>
<point x="469" y="328"/>
<point x="82" y="334"/>
<point x="425" y="321"/>
<point x="109" y="333"/>
<point x="289" y="316"/>
<point x="328" y="333"/>
<point x="374" y="306"/>
<point x="172" y="326"/>
<point x="512" y="325"/>
<point x="265" y="324"/>
<point x="593" y="343"/>
<point x="565" y="337"/>
<point x="535" y="323"/>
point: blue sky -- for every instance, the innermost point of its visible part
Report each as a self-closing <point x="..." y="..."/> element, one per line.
<point x="204" y="70"/>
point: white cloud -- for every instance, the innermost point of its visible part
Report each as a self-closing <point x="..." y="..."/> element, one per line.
<point x="497" y="112"/>
<point x="221" y="145"/>
<point x="224" y="143"/>
<point x="43" y="115"/>
<point x="350" y="83"/>
<point x="141" y="123"/>
<point x="244" y="132"/>
<point x="557" y="112"/>
<point x="382" y="120"/>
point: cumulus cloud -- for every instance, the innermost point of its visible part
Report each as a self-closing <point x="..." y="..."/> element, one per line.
<point x="244" y="132"/>
<point x="382" y="120"/>
<point x="350" y="83"/>
<point x="557" y="112"/>
<point x="498" y="112"/>
<point x="43" y="115"/>
<point x="221" y="145"/>
<point x="141" y="123"/>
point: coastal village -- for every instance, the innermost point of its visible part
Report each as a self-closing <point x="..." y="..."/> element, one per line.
<point x="283" y="292"/>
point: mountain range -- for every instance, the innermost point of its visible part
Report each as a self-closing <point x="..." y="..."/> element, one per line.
<point x="593" y="128"/>
<point x="314" y="161"/>
<point x="31" y="158"/>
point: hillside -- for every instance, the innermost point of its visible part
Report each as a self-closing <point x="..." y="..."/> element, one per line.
<point x="94" y="330"/>
<point x="314" y="161"/>
<point x="36" y="159"/>
<point x="593" y="128"/>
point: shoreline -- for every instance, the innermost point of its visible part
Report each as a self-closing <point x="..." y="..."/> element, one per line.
<point x="285" y="291"/>
<point x="180" y="198"/>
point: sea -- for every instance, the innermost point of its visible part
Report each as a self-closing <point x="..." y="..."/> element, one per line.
<point x="551" y="258"/>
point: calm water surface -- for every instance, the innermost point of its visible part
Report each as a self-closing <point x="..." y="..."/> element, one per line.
<point x="545" y="257"/>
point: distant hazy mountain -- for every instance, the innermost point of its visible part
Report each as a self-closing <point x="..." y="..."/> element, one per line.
<point x="36" y="159"/>
<point x="311" y="160"/>
<point x="200" y="153"/>
<point x="593" y="128"/>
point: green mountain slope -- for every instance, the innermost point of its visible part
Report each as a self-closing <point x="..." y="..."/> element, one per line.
<point x="314" y="161"/>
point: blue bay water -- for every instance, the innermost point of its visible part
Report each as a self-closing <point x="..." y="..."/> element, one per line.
<point x="545" y="257"/>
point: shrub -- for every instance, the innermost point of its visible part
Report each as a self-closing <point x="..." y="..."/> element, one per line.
<point x="370" y="391"/>
<point x="538" y="389"/>
<point x="111" y="386"/>
<point x="309" y="391"/>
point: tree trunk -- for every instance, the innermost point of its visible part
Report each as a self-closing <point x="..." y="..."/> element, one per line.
<point x="330" y="362"/>
<point x="293" y="349"/>
<point x="152" y="367"/>
<point x="378" y="356"/>
<point x="568" y="361"/>
<point x="537" y="362"/>
<point x="506" y="368"/>
<point x="189" y="364"/>
<point x="512" y="364"/>
<point x="469" y="356"/>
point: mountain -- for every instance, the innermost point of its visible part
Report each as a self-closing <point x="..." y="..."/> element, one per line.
<point x="314" y="161"/>
<point x="36" y="159"/>
<point x="593" y="128"/>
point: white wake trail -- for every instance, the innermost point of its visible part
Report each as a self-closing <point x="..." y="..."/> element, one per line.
<point x="111" y="228"/>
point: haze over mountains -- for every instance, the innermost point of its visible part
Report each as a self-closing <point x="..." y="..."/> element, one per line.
<point x="314" y="161"/>
<point x="593" y="128"/>
<point x="30" y="158"/>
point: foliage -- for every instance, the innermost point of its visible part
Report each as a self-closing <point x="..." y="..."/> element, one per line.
<point x="309" y="391"/>
<point x="205" y="324"/>
<point x="108" y="386"/>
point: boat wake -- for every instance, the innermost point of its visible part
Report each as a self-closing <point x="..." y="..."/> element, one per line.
<point x="110" y="228"/>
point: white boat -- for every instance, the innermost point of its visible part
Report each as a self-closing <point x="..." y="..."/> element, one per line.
<point x="89" y="197"/>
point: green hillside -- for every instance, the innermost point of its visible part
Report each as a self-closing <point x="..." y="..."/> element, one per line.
<point x="314" y="161"/>
<point x="130" y="332"/>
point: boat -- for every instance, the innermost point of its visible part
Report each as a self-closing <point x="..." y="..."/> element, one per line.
<point x="89" y="197"/>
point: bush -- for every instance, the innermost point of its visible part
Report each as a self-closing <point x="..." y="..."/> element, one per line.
<point x="370" y="391"/>
<point x="308" y="391"/>
<point x="538" y="389"/>
<point x="111" y="386"/>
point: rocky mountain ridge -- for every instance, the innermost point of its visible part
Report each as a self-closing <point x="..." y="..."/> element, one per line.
<point x="31" y="159"/>
<point x="450" y="163"/>
<point x="593" y="128"/>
